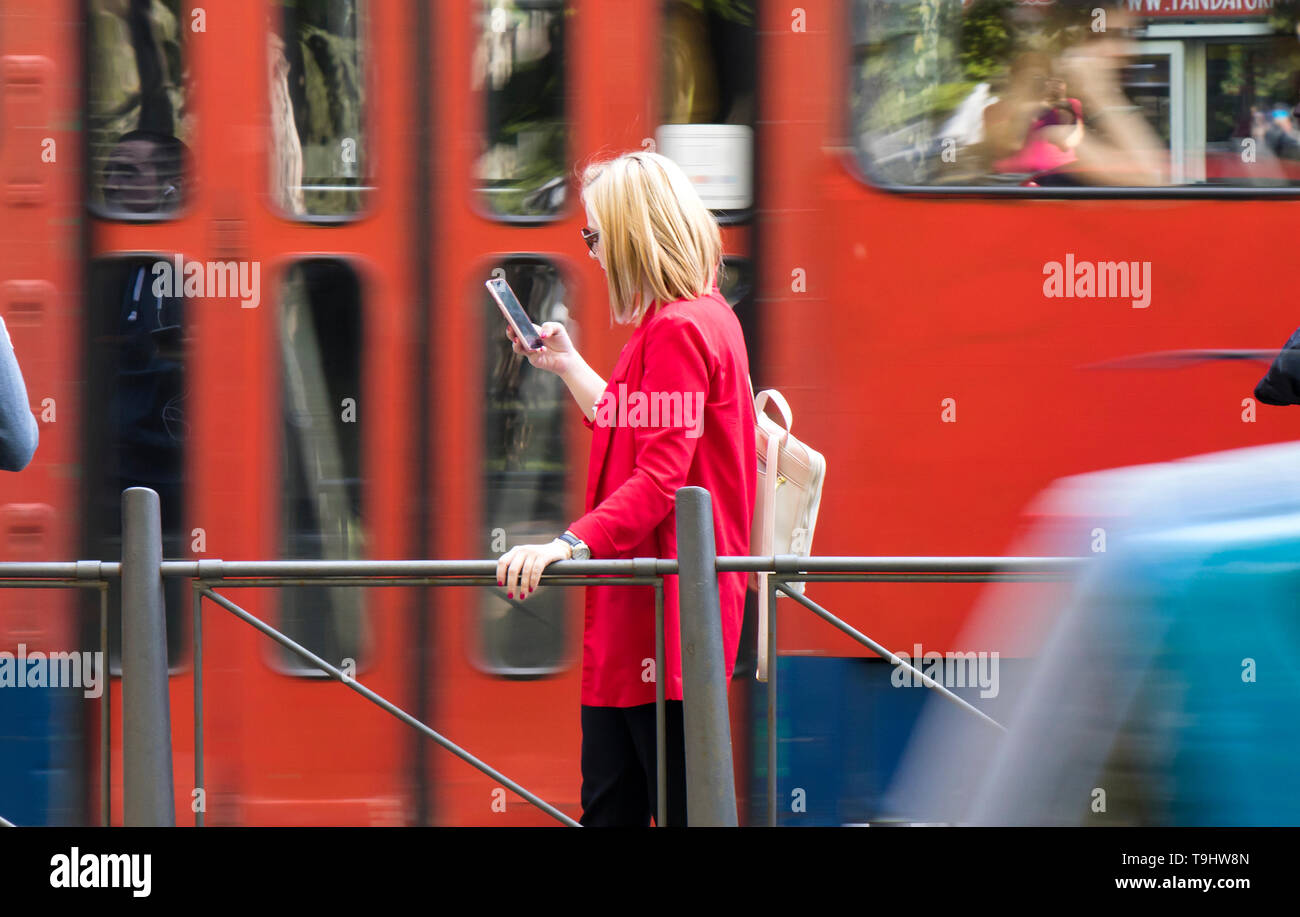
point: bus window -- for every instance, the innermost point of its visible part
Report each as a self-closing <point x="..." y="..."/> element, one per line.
<point x="707" y="100"/>
<point x="136" y="429"/>
<point x="316" y="69"/>
<point x="1252" y="111"/>
<point x="518" y="66"/>
<point x="736" y="284"/>
<point x="736" y="281"/>
<point x="524" y="472"/>
<point x="138" y="121"/>
<point x="322" y="407"/>
<point x="1011" y="92"/>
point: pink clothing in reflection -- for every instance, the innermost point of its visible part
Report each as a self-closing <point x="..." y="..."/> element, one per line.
<point x="1040" y="154"/>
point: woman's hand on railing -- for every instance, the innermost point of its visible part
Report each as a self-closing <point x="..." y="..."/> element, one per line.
<point x="520" y="568"/>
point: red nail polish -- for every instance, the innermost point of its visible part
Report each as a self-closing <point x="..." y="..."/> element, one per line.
<point x="510" y="595"/>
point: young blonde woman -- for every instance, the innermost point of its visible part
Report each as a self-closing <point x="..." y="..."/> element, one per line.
<point x="676" y="411"/>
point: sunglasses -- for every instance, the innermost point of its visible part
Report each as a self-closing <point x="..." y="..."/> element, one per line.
<point x="591" y="237"/>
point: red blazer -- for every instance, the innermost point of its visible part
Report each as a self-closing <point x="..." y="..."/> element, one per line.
<point x="693" y="348"/>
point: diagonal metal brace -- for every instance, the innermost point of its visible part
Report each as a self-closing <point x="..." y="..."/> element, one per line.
<point x="392" y="708"/>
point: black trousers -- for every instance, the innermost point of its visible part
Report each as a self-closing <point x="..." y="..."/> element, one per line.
<point x="619" y="766"/>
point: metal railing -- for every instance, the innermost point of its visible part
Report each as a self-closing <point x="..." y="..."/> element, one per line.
<point x="707" y="728"/>
<point x="148" y="787"/>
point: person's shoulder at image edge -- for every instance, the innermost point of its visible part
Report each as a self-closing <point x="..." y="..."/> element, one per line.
<point x="19" y="433"/>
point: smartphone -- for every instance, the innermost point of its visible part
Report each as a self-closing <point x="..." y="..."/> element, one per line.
<point x="508" y="303"/>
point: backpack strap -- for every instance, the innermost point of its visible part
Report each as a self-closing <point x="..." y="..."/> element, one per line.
<point x="768" y="546"/>
<point x="771" y="394"/>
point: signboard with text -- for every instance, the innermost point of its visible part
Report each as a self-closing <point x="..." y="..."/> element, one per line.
<point x="1181" y="9"/>
<point x="1199" y="9"/>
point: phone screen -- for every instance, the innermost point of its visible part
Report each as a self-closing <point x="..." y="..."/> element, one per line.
<point x="514" y="312"/>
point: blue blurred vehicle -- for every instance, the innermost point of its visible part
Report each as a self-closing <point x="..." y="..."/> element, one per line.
<point x="1168" y="689"/>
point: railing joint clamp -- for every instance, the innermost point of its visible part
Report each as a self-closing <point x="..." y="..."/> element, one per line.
<point x="210" y="569"/>
<point x="89" y="569"/>
<point x="786" y="563"/>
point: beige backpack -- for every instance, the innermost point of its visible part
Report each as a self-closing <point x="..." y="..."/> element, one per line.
<point x="785" y="503"/>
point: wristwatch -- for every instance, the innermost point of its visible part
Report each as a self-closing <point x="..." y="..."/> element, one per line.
<point x="580" y="549"/>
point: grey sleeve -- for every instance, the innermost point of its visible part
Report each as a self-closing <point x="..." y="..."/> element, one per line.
<point x="19" y="433"/>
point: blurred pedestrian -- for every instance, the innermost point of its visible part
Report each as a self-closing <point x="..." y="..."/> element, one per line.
<point x="18" y="431"/>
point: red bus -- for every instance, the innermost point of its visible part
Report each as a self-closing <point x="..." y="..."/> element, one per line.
<point x="366" y="164"/>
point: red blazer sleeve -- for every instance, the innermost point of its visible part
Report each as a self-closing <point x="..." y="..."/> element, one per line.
<point x="677" y="359"/>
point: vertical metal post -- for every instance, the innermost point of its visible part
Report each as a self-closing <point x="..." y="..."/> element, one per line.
<point x="661" y="727"/>
<point x="105" y="715"/>
<point x="771" y="701"/>
<point x="146" y="713"/>
<point x="710" y="779"/>
<point x="198" y="705"/>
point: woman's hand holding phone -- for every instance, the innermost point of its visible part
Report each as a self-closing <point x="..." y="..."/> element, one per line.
<point x="556" y="354"/>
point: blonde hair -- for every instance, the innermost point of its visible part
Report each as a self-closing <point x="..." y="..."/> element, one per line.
<point x="659" y="240"/>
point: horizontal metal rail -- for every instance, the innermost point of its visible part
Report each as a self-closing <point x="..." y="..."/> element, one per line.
<point x="79" y="570"/>
<point x="369" y="581"/>
<point x="794" y="567"/>
<point x="318" y="570"/>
